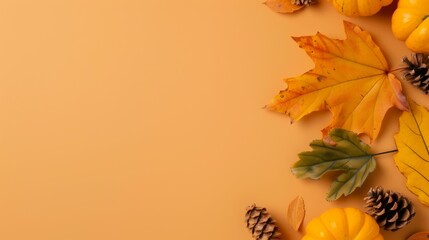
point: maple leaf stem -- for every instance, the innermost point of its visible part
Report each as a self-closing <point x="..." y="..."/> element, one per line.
<point x="397" y="69"/>
<point x="381" y="153"/>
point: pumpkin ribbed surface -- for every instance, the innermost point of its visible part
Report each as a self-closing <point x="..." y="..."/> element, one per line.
<point x="410" y="23"/>
<point x="343" y="224"/>
<point x="359" y="8"/>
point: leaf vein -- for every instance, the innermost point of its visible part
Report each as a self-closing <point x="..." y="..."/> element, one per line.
<point x="421" y="157"/>
<point x="420" y="131"/>
<point x="421" y="190"/>
<point x="415" y="170"/>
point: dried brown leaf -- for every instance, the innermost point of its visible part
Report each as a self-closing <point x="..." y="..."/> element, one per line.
<point x="296" y="212"/>
<point x="282" y="6"/>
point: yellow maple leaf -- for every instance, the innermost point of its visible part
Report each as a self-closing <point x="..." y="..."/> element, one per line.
<point x="351" y="79"/>
<point x="412" y="142"/>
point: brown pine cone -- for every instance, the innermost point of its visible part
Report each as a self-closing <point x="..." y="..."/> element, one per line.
<point x="260" y="223"/>
<point x="391" y="210"/>
<point x="416" y="71"/>
<point x="303" y="2"/>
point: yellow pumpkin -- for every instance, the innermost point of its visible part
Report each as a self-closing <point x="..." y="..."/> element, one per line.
<point x="359" y="8"/>
<point x="410" y="23"/>
<point x="343" y="224"/>
<point x="419" y="236"/>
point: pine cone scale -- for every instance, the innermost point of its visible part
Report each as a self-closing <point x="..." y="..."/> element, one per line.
<point x="405" y="214"/>
<point x="394" y="206"/>
<point x="393" y="217"/>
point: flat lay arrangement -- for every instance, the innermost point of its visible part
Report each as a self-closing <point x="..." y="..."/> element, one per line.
<point x="353" y="81"/>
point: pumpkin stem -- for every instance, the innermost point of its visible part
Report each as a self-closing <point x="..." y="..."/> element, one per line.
<point x="398" y="69"/>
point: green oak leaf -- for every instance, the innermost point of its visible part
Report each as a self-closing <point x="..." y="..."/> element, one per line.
<point x="348" y="154"/>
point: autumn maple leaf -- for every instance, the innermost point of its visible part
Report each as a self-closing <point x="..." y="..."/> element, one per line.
<point x="412" y="158"/>
<point x="351" y="79"/>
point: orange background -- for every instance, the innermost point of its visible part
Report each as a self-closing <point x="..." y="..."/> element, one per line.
<point x="133" y="119"/>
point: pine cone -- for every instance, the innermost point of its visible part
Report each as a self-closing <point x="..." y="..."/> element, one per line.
<point x="390" y="209"/>
<point x="303" y="2"/>
<point x="416" y="71"/>
<point x="260" y="223"/>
